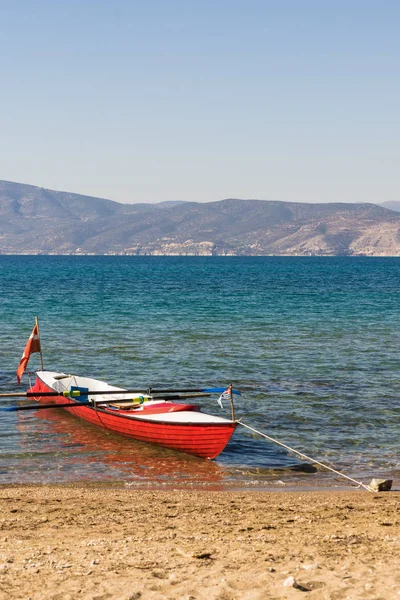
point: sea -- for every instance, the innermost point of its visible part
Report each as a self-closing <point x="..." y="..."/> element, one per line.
<point x="313" y="343"/>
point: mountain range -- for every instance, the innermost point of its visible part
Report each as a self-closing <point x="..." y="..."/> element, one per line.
<point x="36" y="220"/>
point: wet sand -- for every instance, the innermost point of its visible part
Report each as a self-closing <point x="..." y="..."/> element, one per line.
<point x="76" y="542"/>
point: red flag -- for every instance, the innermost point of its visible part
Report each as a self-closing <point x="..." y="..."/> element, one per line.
<point x="33" y="345"/>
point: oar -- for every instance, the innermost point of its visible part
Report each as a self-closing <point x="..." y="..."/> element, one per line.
<point x="77" y="393"/>
<point x="90" y="403"/>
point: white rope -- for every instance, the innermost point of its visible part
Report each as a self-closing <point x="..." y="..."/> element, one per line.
<point x="359" y="483"/>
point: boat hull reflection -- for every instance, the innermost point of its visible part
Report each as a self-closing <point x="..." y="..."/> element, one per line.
<point x="115" y="458"/>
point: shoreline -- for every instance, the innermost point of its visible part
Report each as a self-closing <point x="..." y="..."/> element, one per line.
<point x="234" y="488"/>
<point x="62" y="542"/>
<point x="277" y="482"/>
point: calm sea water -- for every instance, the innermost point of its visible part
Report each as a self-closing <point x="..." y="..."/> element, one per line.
<point x="313" y="343"/>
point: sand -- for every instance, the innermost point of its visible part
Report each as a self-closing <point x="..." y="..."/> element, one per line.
<point x="98" y="543"/>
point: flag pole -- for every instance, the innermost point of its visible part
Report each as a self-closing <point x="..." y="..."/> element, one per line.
<point x="40" y="343"/>
<point x="231" y="399"/>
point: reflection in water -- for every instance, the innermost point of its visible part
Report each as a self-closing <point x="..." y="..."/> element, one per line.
<point x="74" y="450"/>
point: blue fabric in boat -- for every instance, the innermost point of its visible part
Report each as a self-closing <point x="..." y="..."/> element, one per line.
<point x="83" y="390"/>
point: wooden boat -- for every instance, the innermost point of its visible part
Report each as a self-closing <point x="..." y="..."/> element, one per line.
<point x="157" y="420"/>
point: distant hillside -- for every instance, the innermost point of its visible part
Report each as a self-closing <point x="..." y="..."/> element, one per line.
<point x="36" y="220"/>
<point x="392" y="205"/>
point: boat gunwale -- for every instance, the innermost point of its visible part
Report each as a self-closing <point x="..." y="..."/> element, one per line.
<point x="96" y="408"/>
<point x="154" y="421"/>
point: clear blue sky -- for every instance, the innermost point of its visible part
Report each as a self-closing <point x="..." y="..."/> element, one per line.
<point x="151" y="100"/>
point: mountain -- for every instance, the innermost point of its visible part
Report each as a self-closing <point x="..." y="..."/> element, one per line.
<point x="392" y="205"/>
<point x="36" y="220"/>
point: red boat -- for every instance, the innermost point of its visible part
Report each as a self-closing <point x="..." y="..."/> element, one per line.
<point x="146" y="417"/>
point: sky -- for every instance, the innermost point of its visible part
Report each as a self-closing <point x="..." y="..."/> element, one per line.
<point x="154" y="100"/>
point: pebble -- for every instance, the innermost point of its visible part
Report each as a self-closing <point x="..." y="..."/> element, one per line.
<point x="310" y="567"/>
<point x="290" y="582"/>
<point x="381" y="485"/>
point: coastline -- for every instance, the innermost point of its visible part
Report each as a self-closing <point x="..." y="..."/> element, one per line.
<point x="76" y="541"/>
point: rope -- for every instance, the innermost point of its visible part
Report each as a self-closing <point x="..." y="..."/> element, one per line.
<point x="359" y="483"/>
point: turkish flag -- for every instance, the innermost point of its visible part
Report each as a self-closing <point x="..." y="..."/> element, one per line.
<point x="33" y="345"/>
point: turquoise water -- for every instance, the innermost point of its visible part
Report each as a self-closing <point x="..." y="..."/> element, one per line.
<point x="313" y="343"/>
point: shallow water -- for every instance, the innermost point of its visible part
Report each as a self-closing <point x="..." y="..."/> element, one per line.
<point x="311" y="342"/>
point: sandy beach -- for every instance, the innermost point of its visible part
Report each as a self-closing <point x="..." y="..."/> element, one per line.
<point x="98" y="543"/>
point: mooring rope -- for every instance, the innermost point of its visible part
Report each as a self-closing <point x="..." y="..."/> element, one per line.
<point x="271" y="439"/>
